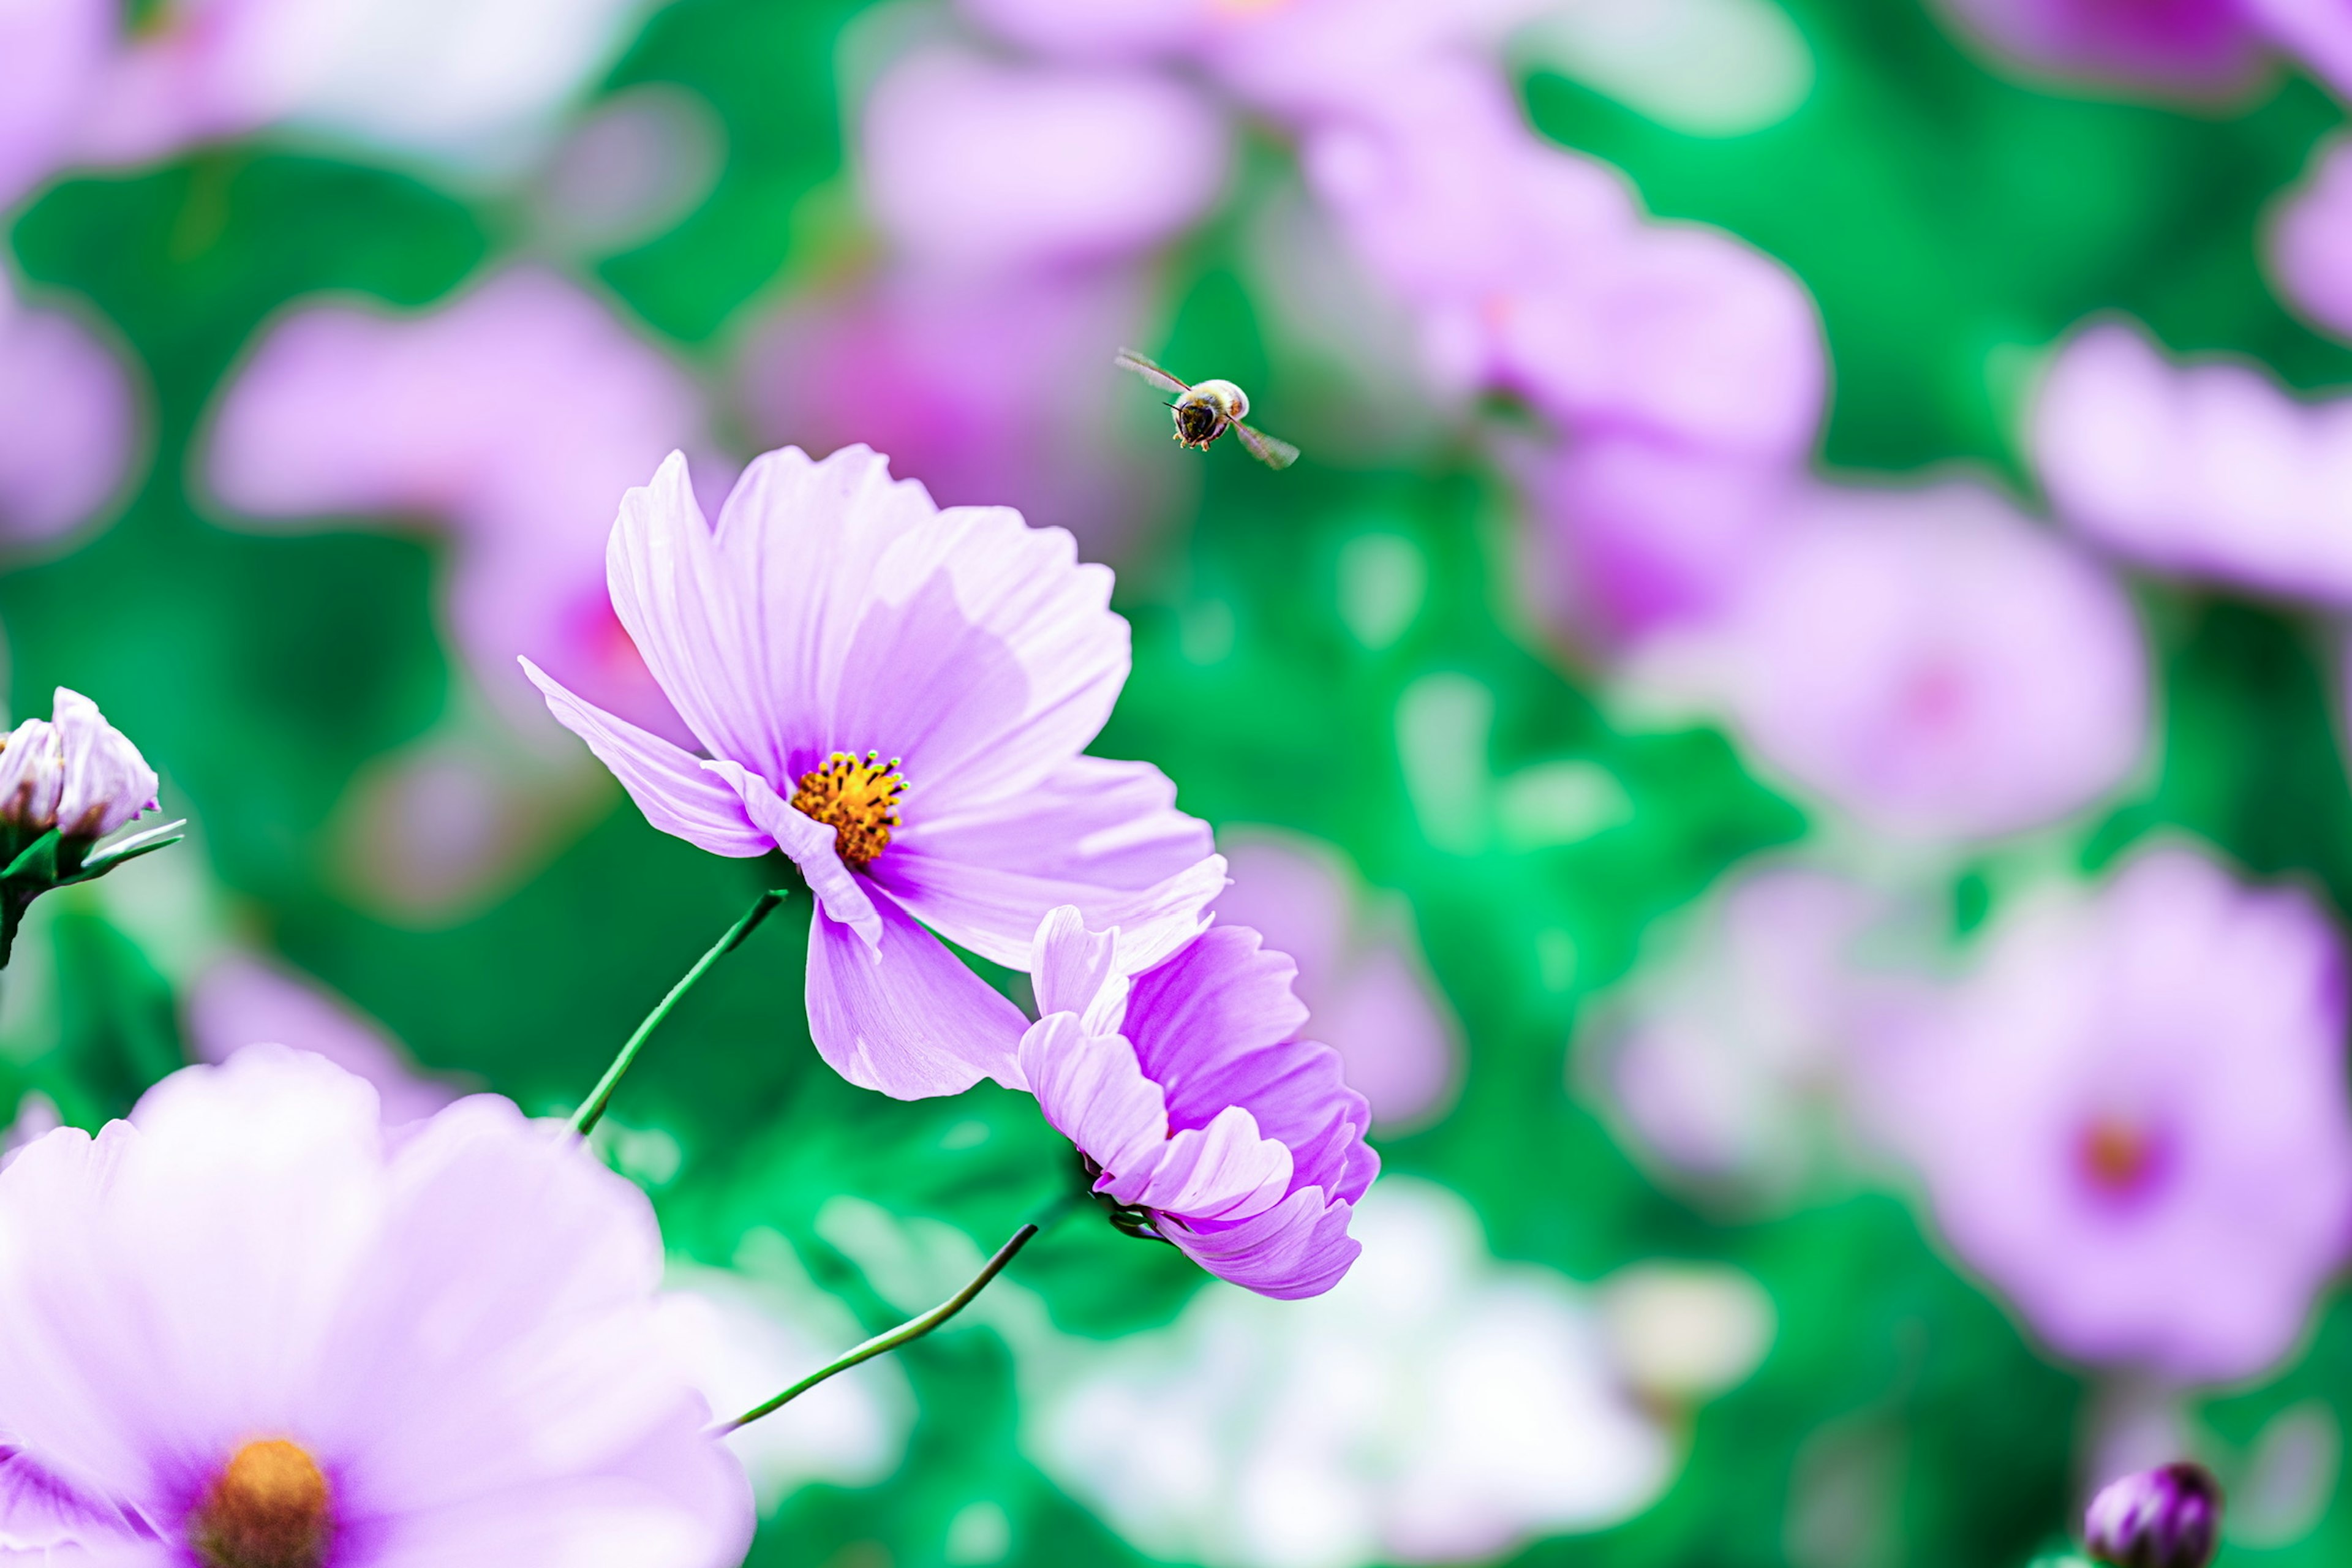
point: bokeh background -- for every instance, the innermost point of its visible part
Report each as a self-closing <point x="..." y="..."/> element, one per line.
<point x="1791" y="715"/>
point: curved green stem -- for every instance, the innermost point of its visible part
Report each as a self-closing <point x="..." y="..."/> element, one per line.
<point x="905" y="1334"/>
<point x="592" y="1110"/>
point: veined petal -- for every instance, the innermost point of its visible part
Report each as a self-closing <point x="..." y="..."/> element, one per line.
<point x="800" y="540"/>
<point x="1074" y="970"/>
<point x="810" y="843"/>
<point x="1220" y="1172"/>
<point x="1091" y="1090"/>
<point x="1103" y="836"/>
<point x="679" y="604"/>
<point x="668" y="784"/>
<point x="991" y="659"/>
<point x="1299" y="1248"/>
<point x="906" y="1017"/>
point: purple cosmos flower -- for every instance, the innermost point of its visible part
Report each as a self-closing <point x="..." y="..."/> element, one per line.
<point x="246" y="1327"/>
<point x="2169" y="1517"/>
<point x="898" y="696"/>
<point x="951" y="144"/>
<point x="2198" y="47"/>
<point x="2131" y="1118"/>
<point x="2214" y="470"/>
<point x="1360" y="974"/>
<point x="1928" y="660"/>
<point x="512" y="415"/>
<point x="1188" y="1091"/>
<point x="68" y="423"/>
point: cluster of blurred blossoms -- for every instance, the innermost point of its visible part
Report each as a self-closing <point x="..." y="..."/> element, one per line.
<point x="259" y="1325"/>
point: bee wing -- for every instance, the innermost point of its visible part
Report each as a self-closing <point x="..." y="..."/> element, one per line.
<point x="1130" y="360"/>
<point x="1267" y="449"/>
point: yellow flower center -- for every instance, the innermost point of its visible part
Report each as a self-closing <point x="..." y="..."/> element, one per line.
<point x="267" y="1510"/>
<point x="858" y="799"/>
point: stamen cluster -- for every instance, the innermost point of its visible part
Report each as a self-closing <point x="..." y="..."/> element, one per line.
<point x="858" y="799"/>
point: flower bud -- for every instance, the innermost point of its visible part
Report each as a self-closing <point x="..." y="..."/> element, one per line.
<point x="107" y="782"/>
<point x="32" y="773"/>
<point x="2169" y="1517"/>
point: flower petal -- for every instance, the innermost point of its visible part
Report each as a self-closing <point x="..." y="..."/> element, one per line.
<point x="1074" y="970"/>
<point x="990" y="660"/>
<point x="669" y="785"/>
<point x="1299" y="1248"/>
<point x="107" y="782"/>
<point x="906" y="1017"/>
<point x="811" y="844"/>
<point x="1220" y="1172"/>
<point x="1103" y="836"/>
<point x="1094" y="1094"/>
<point x="678" y="599"/>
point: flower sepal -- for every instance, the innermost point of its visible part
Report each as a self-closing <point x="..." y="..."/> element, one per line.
<point x="55" y="859"/>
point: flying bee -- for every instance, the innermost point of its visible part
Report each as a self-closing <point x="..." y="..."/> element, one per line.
<point x="1207" y="411"/>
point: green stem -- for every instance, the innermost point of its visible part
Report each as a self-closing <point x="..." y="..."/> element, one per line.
<point x="584" y="1120"/>
<point x="905" y="1334"/>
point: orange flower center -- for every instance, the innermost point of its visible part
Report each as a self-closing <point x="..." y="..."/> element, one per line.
<point x="2118" y="1156"/>
<point x="267" y="1510"/>
<point x="859" y="799"/>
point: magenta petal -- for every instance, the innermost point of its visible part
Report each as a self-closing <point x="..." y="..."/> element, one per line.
<point x="1220" y="1172"/>
<point x="1091" y="1090"/>
<point x="668" y="784"/>
<point x="906" y="1017"/>
<point x="1299" y="1248"/>
<point x="1103" y="836"/>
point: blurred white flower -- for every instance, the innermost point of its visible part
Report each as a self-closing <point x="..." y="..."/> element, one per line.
<point x="1435" y="1407"/>
<point x="743" y="1334"/>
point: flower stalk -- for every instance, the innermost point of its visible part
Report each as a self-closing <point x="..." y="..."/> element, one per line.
<point x="592" y="1110"/>
<point x="905" y="1333"/>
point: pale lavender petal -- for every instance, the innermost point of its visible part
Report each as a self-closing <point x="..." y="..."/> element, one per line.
<point x="1103" y="836"/>
<point x="2213" y="469"/>
<point x="669" y="785"/>
<point x="673" y="591"/>
<point x="41" y="1511"/>
<point x="810" y="843"/>
<point x="906" y="1017"/>
<point x="1094" y="29"/>
<point x="1397" y="1043"/>
<point x="951" y="143"/>
<point x="32" y="776"/>
<point x="2317" y="32"/>
<point x="1223" y="1172"/>
<point x="68" y="421"/>
<point x="1076" y="971"/>
<point x="1092" y="1092"/>
<point x="989" y="660"/>
<point x="107" y="782"/>
<point x="241" y="1001"/>
<point x="2309" y="243"/>
<point x="51" y="53"/>
<point x="1298" y="1248"/>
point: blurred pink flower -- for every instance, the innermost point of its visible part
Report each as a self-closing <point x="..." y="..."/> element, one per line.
<point x="51" y="52"/>
<point x="973" y="165"/>
<point x="986" y="389"/>
<point x="240" y="1000"/>
<point x="2309" y="243"/>
<point x="900" y="698"/>
<point x="2131" y="1118"/>
<point x="1361" y="976"/>
<point x="2200" y="48"/>
<point x="2213" y="470"/>
<point x="1928" y="660"/>
<point x="68" y="423"/>
<point x="515" y="416"/>
<point x="247" y="1327"/>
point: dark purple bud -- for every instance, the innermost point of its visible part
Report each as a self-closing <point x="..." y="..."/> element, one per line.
<point x="2169" y="1517"/>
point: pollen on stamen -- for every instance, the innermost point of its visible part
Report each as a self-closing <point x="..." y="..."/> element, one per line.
<point x="268" y="1508"/>
<point x="858" y="798"/>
